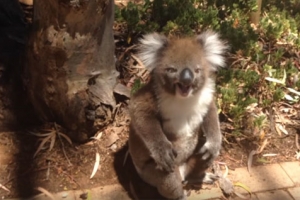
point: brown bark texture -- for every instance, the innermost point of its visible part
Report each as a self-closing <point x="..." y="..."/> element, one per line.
<point x="255" y="16"/>
<point x="70" y="68"/>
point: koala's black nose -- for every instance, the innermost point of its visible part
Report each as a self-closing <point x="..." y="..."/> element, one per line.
<point x="186" y="76"/>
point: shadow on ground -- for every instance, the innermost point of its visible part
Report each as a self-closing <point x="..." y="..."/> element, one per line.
<point x="19" y="117"/>
<point x="16" y="112"/>
<point x="130" y="180"/>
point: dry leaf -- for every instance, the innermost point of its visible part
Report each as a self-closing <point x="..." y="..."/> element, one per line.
<point x="269" y="154"/>
<point x="52" y="142"/>
<point x="253" y="152"/>
<point x="97" y="136"/>
<point x="264" y="144"/>
<point x="293" y="91"/>
<point x="42" y="145"/>
<point x="277" y="129"/>
<point x="66" y="137"/>
<point x="4" y="188"/>
<point x="274" y="80"/>
<point x="262" y="134"/>
<point x="226" y="171"/>
<point x="282" y="129"/>
<point x="282" y="81"/>
<point x="238" y="184"/>
<point x="50" y="136"/>
<point x="96" y="165"/>
<point x="41" y="134"/>
<point x="288" y="97"/>
<point x="27" y="2"/>
<point x="251" y="107"/>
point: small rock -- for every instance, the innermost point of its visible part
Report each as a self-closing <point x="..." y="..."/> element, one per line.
<point x="112" y="137"/>
<point x="64" y="195"/>
<point x="113" y="147"/>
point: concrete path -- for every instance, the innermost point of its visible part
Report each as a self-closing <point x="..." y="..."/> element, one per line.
<point x="269" y="182"/>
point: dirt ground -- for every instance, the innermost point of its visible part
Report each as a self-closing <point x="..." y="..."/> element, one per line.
<point x="59" y="165"/>
<point x="66" y="166"/>
<point x="69" y="166"/>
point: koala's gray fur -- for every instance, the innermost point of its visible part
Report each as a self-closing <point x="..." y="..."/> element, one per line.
<point x="174" y="130"/>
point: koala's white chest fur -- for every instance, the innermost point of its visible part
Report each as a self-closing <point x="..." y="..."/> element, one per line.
<point x="181" y="117"/>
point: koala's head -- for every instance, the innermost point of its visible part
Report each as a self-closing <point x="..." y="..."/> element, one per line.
<point x="182" y="66"/>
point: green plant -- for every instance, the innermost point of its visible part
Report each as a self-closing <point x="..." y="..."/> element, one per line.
<point x="137" y="84"/>
<point x="264" y="63"/>
<point x="279" y="25"/>
<point x="169" y="16"/>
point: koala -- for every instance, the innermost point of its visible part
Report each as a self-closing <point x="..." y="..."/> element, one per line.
<point x="174" y="131"/>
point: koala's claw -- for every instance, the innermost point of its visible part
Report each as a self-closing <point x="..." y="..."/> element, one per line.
<point x="165" y="161"/>
<point x="209" y="151"/>
<point x="210" y="178"/>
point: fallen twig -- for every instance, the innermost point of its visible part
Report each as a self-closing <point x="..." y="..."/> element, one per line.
<point x="46" y="192"/>
<point x="62" y="144"/>
<point x="297" y="141"/>
<point x="125" y="158"/>
<point x="254" y="152"/>
<point x="48" y="170"/>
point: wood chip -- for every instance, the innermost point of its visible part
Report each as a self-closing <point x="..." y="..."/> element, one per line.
<point x="112" y="137"/>
<point x="122" y="90"/>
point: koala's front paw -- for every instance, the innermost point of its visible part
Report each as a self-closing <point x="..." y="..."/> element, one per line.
<point x="164" y="156"/>
<point x="210" y="178"/>
<point x="210" y="150"/>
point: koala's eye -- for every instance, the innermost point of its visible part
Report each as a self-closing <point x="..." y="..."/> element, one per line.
<point x="171" y="70"/>
<point x="198" y="70"/>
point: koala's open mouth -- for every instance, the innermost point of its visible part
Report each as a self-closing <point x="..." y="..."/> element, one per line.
<point x="183" y="90"/>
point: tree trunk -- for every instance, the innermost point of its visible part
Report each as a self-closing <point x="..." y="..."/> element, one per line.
<point x="70" y="69"/>
<point x="255" y="16"/>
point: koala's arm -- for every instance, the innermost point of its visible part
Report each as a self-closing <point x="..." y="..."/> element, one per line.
<point x="211" y="130"/>
<point x="147" y="127"/>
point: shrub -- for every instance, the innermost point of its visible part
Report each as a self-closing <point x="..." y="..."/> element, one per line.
<point x="263" y="65"/>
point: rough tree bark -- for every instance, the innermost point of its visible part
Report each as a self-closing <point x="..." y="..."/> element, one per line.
<point x="70" y="67"/>
<point x="255" y="16"/>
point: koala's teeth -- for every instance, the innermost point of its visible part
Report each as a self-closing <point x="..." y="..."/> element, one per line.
<point x="184" y="90"/>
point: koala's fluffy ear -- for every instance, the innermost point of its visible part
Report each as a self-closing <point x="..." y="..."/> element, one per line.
<point x="150" y="48"/>
<point x="214" y="49"/>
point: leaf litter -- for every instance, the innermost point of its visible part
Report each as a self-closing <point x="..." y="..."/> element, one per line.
<point x="235" y="153"/>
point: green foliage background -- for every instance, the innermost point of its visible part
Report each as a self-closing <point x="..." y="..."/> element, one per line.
<point x="269" y="49"/>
